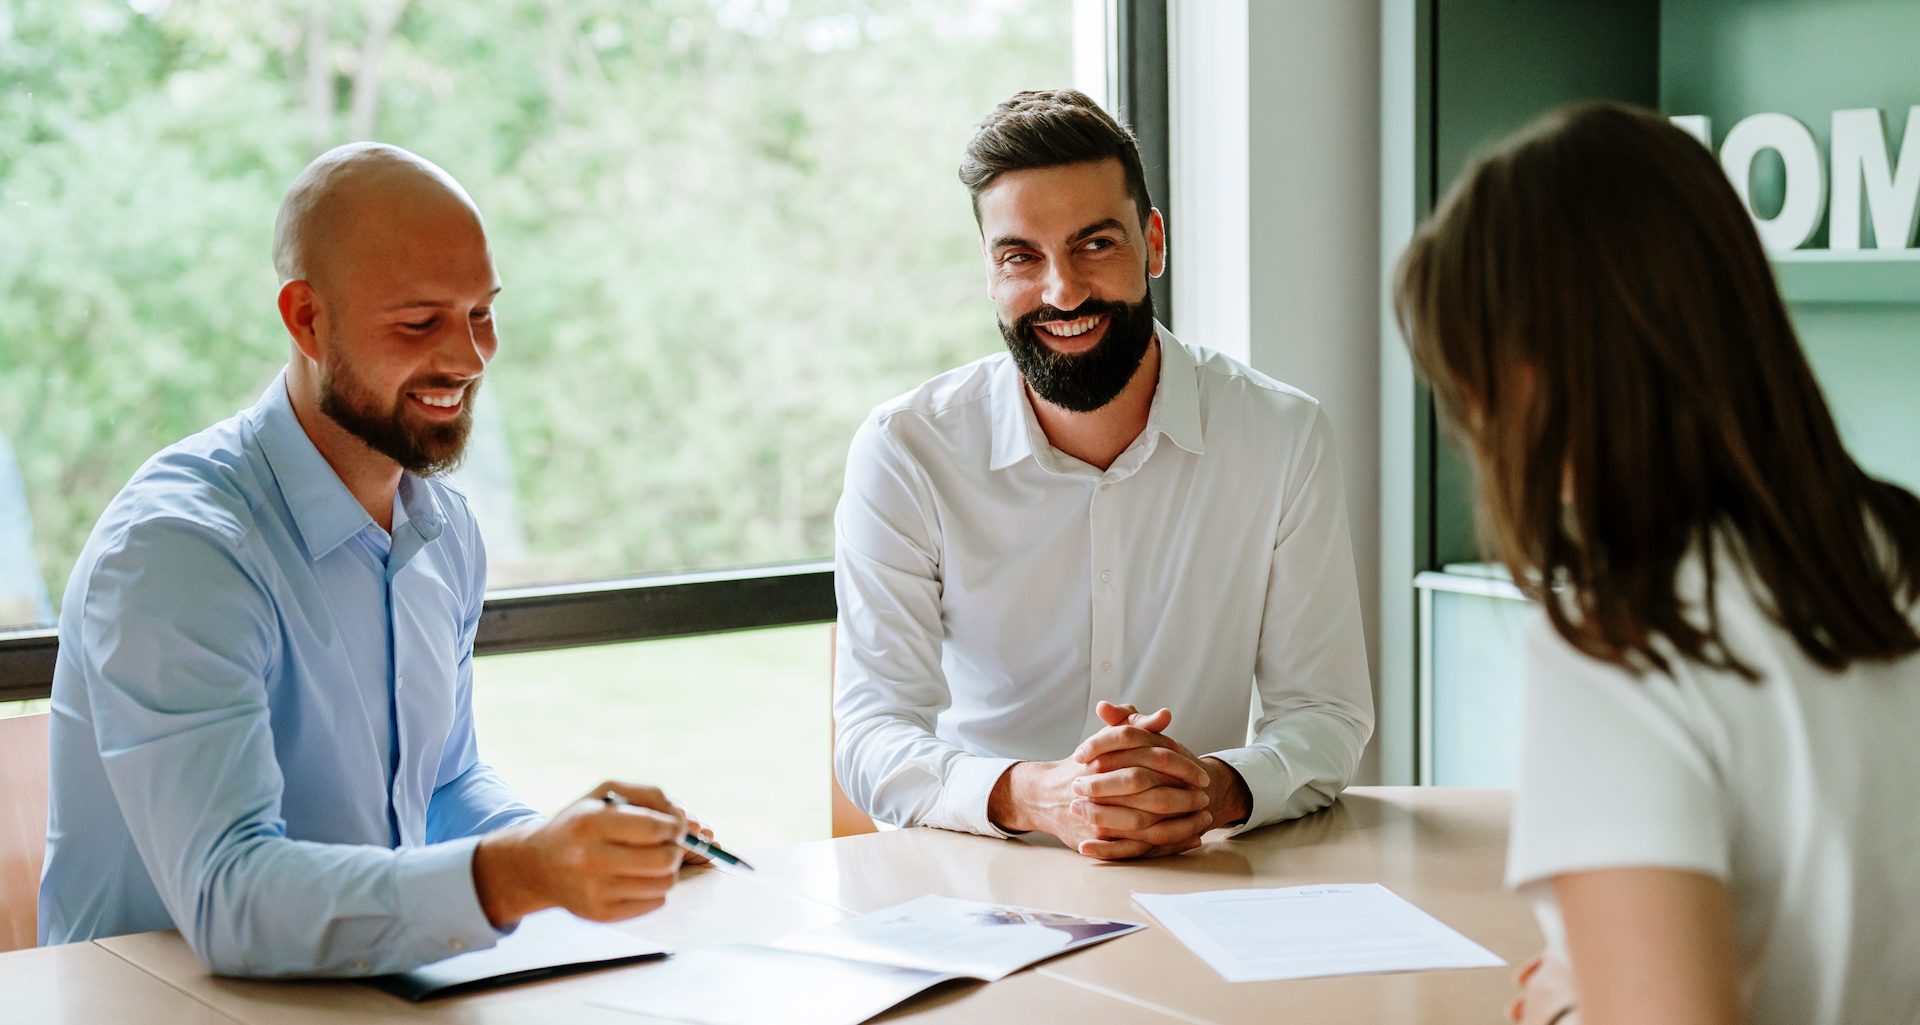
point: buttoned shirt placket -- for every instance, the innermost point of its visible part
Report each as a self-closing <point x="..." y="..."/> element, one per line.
<point x="423" y="526"/>
<point x="1107" y="639"/>
<point x="1107" y="673"/>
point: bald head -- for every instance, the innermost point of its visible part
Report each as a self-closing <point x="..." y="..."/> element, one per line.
<point x="361" y="194"/>
<point x="386" y="289"/>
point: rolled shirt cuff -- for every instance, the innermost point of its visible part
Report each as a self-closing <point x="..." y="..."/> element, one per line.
<point x="964" y="797"/>
<point x="1268" y="783"/>
<point x="438" y="901"/>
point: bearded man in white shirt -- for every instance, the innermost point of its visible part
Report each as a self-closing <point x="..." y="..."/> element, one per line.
<point x="1035" y="546"/>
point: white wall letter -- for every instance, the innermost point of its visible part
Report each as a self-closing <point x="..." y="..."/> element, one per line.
<point x="1860" y="152"/>
<point x="1700" y="126"/>
<point x="1806" y="176"/>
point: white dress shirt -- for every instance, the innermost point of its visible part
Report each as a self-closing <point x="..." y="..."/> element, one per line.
<point x="993" y="589"/>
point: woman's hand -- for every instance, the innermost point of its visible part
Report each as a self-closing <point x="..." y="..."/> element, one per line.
<point x="1546" y="992"/>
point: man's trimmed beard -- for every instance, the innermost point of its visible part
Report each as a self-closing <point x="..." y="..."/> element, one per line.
<point x="1082" y="381"/>
<point x="424" y="450"/>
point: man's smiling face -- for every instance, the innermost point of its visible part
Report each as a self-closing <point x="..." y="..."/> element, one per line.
<point x="1067" y="267"/>
<point x="409" y="310"/>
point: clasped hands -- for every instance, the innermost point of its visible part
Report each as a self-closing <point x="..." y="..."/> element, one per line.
<point x="602" y="861"/>
<point x="1128" y="791"/>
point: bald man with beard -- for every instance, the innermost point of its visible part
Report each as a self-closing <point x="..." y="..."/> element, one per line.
<point x="262" y="723"/>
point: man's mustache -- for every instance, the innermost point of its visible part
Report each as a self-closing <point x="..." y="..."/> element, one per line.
<point x="437" y="381"/>
<point x="1092" y="307"/>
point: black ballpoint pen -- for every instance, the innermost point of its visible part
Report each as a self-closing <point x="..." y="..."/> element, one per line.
<point x="692" y="841"/>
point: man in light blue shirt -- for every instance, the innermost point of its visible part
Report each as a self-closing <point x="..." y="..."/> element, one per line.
<point x="262" y="724"/>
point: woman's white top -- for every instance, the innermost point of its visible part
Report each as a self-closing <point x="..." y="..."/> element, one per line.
<point x="1801" y="792"/>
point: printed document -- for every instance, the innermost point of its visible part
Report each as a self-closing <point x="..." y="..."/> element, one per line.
<point x="850" y="971"/>
<point x="1297" y="932"/>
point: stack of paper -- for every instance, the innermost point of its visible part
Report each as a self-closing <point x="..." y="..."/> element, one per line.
<point x="1301" y="931"/>
<point x="850" y="971"/>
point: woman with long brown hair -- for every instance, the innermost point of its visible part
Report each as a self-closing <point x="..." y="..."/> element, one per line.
<point x="1716" y="814"/>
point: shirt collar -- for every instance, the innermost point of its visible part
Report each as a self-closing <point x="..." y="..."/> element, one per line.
<point x="1178" y="394"/>
<point x="323" y="510"/>
<point x="1175" y="412"/>
<point x="1016" y="432"/>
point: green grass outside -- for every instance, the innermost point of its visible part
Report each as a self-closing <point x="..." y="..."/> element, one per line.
<point x="735" y="726"/>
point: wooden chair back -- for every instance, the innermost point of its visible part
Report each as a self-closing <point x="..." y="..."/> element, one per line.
<point x="848" y="819"/>
<point x="23" y="827"/>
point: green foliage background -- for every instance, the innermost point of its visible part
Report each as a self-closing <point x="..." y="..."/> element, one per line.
<point x="727" y="229"/>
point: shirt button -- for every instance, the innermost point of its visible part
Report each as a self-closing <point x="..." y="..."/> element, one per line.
<point x="360" y="965"/>
<point x="1106" y="667"/>
<point x="457" y="945"/>
<point x="399" y="682"/>
<point x="1106" y="487"/>
<point x="1106" y="576"/>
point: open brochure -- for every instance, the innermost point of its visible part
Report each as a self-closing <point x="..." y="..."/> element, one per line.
<point x="850" y="971"/>
<point x="545" y="945"/>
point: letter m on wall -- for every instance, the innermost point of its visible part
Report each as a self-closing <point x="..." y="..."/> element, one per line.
<point x="1860" y="156"/>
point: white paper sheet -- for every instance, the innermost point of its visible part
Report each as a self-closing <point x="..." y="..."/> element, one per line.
<point x="845" y="973"/>
<point x="962" y="937"/>
<point x="742" y="985"/>
<point x="1298" y="932"/>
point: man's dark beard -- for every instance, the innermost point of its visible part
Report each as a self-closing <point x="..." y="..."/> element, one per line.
<point x="1082" y="381"/>
<point x="424" y="450"/>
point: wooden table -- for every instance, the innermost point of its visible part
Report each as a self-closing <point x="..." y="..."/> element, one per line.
<point x="1442" y="849"/>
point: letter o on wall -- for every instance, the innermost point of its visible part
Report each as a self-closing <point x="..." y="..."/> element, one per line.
<point x="1806" y="176"/>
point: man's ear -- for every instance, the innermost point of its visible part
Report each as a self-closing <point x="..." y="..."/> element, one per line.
<point x="300" y="311"/>
<point x="1156" y="243"/>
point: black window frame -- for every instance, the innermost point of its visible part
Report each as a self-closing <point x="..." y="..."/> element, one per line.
<point x="684" y="604"/>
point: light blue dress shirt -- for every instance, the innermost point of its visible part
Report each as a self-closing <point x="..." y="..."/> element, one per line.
<point x="262" y="723"/>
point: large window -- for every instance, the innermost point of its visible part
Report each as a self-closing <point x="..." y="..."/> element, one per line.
<point x="727" y="228"/>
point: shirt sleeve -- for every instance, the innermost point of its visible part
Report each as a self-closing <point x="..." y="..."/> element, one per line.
<point x="475" y="803"/>
<point x="1316" y="695"/>
<point x="1611" y="773"/>
<point x="177" y="636"/>
<point x="888" y="682"/>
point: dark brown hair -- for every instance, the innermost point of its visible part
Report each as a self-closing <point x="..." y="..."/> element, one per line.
<point x="1050" y="128"/>
<point x="1593" y="310"/>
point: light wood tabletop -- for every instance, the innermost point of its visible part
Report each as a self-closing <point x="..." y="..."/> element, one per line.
<point x="84" y="984"/>
<point x="1442" y="849"/>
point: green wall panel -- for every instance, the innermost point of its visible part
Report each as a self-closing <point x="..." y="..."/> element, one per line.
<point x="1867" y="356"/>
<point x="1498" y="64"/>
<point x="1502" y="63"/>
<point x="1807" y="58"/>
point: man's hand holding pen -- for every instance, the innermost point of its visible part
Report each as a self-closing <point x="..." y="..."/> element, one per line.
<point x="600" y="859"/>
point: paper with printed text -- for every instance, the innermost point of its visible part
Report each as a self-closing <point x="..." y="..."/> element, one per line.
<point x="1298" y="932"/>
